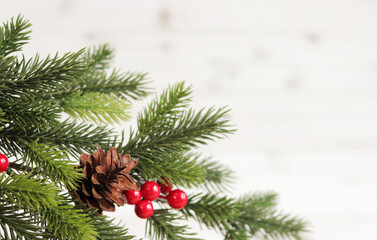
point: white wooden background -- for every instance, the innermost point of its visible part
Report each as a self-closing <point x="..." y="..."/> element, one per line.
<point x="300" y="76"/>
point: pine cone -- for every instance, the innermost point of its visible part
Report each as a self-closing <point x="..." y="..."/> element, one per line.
<point x="105" y="179"/>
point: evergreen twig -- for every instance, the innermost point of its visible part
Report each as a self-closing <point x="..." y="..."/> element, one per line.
<point x="108" y="230"/>
<point x="13" y="35"/>
<point x="65" y="221"/>
<point x="211" y="211"/>
<point x="53" y="164"/>
<point x="218" y="177"/>
<point x="16" y="224"/>
<point x="26" y="192"/>
<point x="258" y="217"/>
<point x="96" y="107"/>
<point x="164" y="224"/>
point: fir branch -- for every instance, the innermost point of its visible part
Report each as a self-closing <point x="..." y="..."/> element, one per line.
<point x="15" y="224"/>
<point x="164" y="224"/>
<point x="171" y="102"/>
<point x="13" y="35"/>
<point x="69" y="136"/>
<point x="181" y="133"/>
<point x="2" y="120"/>
<point x="258" y="217"/>
<point x="108" y="230"/>
<point x="26" y="192"/>
<point x="27" y="113"/>
<point x="65" y="221"/>
<point x="7" y="72"/>
<point x="96" y="107"/>
<point x="217" y="176"/>
<point x="182" y="169"/>
<point x="164" y="127"/>
<point x="52" y="163"/>
<point x="211" y="211"/>
<point x="76" y="138"/>
<point x="98" y="57"/>
<point x="43" y="76"/>
<point x="129" y="85"/>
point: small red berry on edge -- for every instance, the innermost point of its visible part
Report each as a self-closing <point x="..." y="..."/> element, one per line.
<point x="165" y="186"/>
<point x="4" y="163"/>
<point x="144" y="209"/>
<point x="150" y="191"/>
<point x="177" y="199"/>
<point x="133" y="196"/>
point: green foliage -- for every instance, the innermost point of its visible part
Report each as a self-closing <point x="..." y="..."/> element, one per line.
<point x="167" y="126"/>
<point x="183" y="170"/>
<point x="45" y="106"/>
<point x="108" y="230"/>
<point x="98" y="57"/>
<point x="211" y="211"/>
<point x="164" y="224"/>
<point x="167" y="130"/>
<point x="130" y="85"/>
<point x="96" y="107"/>
<point x="217" y="176"/>
<point x="19" y="224"/>
<point x="51" y="163"/>
<point x="258" y="217"/>
<point x="26" y="192"/>
<point x="65" y="221"/>
<point x="34" y="96"/>
<point x="2" y="121"/>
<point x="13" y="35"/>
<point x="249" y="216"/>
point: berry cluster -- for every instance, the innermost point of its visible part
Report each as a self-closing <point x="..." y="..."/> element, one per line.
<point x="151" y="191"/>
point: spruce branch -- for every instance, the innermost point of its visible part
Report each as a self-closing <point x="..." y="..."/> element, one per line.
<point x="129" y="85"/>
<point x="65" y="221"/>
<point x="171" y="102"/>
<point x="43" y="76"/>
<point x="2" y="120"/>
<point x="7" y="72"/>
<point x="217" y="176"/>
<point x="27" y="113"/>
<point x="165" y="128"/>
<point x="108" y="230"/>
<point x="16" y="224"/>
<point x="212" y="211"/>
<point x="96" y="107"/>
<point x="165" y="224"/>
<point x="52" y="163"/>
<point x="182" y="169"/>
<point x="13" y="35"/>
<point x="258" y="217"/>
<point x="76" y="138"/>
<point x="70" y="136"/>
<point x="26" y="192"/>
<point x="181" y="133"/>
<point x="98" y="57"/>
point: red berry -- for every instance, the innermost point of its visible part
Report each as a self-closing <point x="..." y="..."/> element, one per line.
<point x="177" y="199"/>
<point x="144" y="209"/>
<point x="150" y="191"/>
<point x="133" y="197"/>
<point x="4" y="163"/>
<point x="165" y="186"/>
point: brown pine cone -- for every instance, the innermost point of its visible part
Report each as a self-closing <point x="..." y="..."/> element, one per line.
<point x="106" y="176"/>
